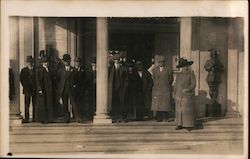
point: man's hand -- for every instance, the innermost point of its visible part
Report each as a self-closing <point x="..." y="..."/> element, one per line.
<point x="60" y="101"/>
<point x="40" y="92"/>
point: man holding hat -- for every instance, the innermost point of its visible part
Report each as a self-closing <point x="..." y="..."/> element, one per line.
<point x="64" y="91"/>
<point x="161" y="92"/>
<point x="27" y="79"/>
<point x="79" y="86"/>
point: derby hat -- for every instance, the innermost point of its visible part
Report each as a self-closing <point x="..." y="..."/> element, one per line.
<point x="66" y="58"/>
<point x="29" y="59"/>
<point x="184" y="62"/>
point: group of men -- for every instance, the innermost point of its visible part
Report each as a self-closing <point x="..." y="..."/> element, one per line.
<point x="63" y="94"/>
<point x="134" y="91"/>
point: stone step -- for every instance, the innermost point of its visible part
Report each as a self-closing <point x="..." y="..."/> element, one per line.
<point x="123" y="131"/>
<point x="124" y="137"/>
<point x="132" y="147"/>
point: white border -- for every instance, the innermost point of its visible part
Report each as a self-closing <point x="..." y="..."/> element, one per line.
<point x="113" y="8"/>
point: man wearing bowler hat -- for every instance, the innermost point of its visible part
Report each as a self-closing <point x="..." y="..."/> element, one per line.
<point x="79" y="86"/>
<point x="27" y="79"/>
<point x="64" y="89"/>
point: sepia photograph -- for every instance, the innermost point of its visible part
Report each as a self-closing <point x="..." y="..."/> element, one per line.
<point x="124" y="79"/>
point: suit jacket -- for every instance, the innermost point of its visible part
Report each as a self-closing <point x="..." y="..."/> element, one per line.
<point x="121" y="82"/>
<point x="78" y="81"/>
<point x="64" y="80"/>
<point x="27" y="79"/>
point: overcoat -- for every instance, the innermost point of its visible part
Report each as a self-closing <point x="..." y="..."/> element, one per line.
<point x="184" y="101"/>
<point x="143" y="89"/>
<point x="121" y="83"/>
<point x="161" y="91"/>
<point x="65" y="81"/>
<point x="27" y="79"/>
<point x="44" y="101"/>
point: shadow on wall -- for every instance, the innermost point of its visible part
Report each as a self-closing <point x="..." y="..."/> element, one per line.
<point x="203" y="100"/>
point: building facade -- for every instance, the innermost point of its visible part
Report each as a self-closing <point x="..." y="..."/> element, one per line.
<point x="142" y="38"/>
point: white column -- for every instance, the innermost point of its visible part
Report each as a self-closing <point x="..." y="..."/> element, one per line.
<point x="232" y="83"/>
<point x="102" y="72"/>
<point x="185" y="37"/>
<point x="16" y="25"/>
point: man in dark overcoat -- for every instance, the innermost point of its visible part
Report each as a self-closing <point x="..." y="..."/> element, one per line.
<point x="79" y="86"/>
<point x="64" y="89"/>
<point x="44" y="102"/>
<point x="143" y="90"/>
<point x="27" y="79"/>
<point x="91" y="82"/>
<point x="118" y="81"/>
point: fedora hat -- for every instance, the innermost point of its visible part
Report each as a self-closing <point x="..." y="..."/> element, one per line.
<point x="184" y="62"/>
<point x="66" y="57"/>
<point x="29" y="59"/>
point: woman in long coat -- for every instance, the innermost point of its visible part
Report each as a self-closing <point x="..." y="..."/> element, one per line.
<point x="44" y="101"/>
<point x="161" y="91"/>
<point x="184" y="95"/>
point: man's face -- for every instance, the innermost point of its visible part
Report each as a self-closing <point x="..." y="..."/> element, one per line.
<point x="77" y="64"/>
<point x="30" y="64"/>
<point x="161" y="63"/>
<point x="45" y="63"/>
<point x="116" y="61"/>
<point x="139" y="67"/>
<point x="93" y="65"/>
<point x="66" y="63"/>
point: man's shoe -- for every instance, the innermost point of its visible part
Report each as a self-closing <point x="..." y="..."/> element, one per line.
<point x="178" y="128"/>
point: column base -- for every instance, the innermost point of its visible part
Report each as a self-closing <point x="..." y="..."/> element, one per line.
<point x="102" y="119"/>
<point x="16" y="119"/>
<point x="233" y="114"/>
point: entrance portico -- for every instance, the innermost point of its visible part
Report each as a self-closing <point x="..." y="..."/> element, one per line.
<point x="172" y="37"/>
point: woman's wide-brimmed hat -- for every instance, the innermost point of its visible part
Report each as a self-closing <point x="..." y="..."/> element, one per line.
<point x="184" y="62"/>
<point x="66" y="58"/>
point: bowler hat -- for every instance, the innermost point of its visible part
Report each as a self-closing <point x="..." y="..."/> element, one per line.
<point x="184" y="62"/>
<point x="66" y="57"/>
<point x="30" y="59"/>
<point x="78" y="59"/>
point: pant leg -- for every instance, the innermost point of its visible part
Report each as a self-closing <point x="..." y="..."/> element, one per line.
<point x="27" y="104"/>
<point x="33" y="107"/>
<point x="65" y="99"/>
<point x="74" y="107"/>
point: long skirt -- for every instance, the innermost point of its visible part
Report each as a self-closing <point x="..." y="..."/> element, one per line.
<point x="184" y="111"/>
